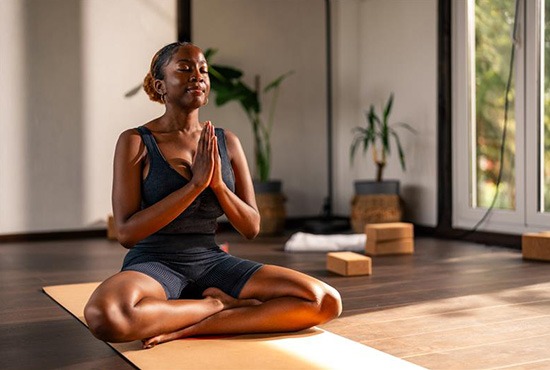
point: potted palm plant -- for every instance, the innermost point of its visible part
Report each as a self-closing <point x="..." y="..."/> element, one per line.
<point x="228" y="85"/>
<point x="378" y="200"/>
<point x="377" y="135"/>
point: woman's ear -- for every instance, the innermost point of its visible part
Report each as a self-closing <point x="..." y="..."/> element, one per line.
<point x="159" y="87"/>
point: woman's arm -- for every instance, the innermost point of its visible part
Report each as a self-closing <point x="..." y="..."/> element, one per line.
<point x="239" y="207"/>
<point x="134" y="224"/>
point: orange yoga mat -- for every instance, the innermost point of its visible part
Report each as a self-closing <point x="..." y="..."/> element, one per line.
<point x="309" y="349"/>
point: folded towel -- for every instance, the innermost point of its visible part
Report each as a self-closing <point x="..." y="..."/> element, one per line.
<point x="304" y="242"/>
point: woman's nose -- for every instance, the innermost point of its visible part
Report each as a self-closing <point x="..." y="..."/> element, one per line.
<point x="196" y="76"/>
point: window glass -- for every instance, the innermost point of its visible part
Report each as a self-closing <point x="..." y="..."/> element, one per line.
<point x="545" y="122"/>
<point x="493" y="29"/>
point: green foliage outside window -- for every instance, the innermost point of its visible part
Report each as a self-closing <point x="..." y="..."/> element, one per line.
<point x="546" y="169"/>
<point x="493" y="27"/>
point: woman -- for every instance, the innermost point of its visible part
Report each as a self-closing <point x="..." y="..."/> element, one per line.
<point x="173" y="177"/>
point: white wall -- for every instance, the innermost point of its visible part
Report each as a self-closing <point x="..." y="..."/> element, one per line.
<point x="65" y="67"/>
<point x="379" y="46"/>
<point x="68" y="63"/>
<point x="382" y="47"/>
<point x="41" y="167"/>
<point x="346" y="60"/>
<point x="269" y="38"/>
<point x="120" y="39"/>
<point x="12" y="116"/>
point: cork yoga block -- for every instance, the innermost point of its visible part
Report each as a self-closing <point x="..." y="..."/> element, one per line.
<point x="536" y="246"/>
<point x="349" y="263"/>
<point x="389" y="231"/>
<point x="397" y="246"/>
<point x="389" y="238"/>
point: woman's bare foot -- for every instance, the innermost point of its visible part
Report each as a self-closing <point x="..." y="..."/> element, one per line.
<point x="163" y="338"/>
<point x="227" y="301"/>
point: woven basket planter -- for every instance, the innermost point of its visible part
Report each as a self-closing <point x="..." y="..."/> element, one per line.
<point x="374" y="208"/>
<point x="271" y="205"/>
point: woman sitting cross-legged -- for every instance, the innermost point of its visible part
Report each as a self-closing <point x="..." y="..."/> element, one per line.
<point x="173" y="177"/>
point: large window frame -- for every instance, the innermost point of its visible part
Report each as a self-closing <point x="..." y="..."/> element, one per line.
<point x="525" y="217"/>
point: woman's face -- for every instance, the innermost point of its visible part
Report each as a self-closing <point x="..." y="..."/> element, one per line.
<point x="186" y="78"/>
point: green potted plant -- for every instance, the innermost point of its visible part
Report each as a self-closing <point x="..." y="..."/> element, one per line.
<point x="377" y="135"/>
<point x="378" y="200"/>
<point x="228" y="85"/>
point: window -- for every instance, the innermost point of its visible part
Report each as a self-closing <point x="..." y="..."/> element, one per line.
<point x="544" y="148"/>
<point x="493" y="146"/>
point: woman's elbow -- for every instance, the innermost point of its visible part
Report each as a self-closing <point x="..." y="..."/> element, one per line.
<point x="126" y="243"/>
<point x="125" y="239"/>
<point x="251" y="234"/>
<point x="253" y="228"/>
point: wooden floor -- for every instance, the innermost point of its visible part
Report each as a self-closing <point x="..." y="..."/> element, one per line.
<point x="450" y="305"/>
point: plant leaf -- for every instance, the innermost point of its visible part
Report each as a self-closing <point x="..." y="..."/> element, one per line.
<point x="368" y="139"/>
<point x="387" y="109"/>
<point x="356" y="141"/>
<point x="358" y="130"/>
<point x="228" y="73"/>
<point x="275" y="83"/>
<point x="385" y="138"/>
<point x="248" y="98"/>
<point x="406" y="126"/>
<point x="209" y="53"/>
<point x="399" y="150"/>
<point x="372" y="119"/>
<point x="225" y="94"/>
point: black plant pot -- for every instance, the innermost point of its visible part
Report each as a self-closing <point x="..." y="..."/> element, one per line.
<point x="271" y="186"/>
<point x="364" y="187"/>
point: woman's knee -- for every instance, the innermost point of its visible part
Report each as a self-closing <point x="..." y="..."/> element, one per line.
<point x="330" y="304"/>
<point x="321" y="301"/>
<point x="107" y="320"/>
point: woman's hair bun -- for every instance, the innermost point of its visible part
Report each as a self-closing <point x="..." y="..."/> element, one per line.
<point x="149" y="87"/>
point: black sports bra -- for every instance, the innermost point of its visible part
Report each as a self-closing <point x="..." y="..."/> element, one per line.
<point x="201" y="215"/>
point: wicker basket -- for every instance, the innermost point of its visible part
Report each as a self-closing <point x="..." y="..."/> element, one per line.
<point x="273" y="213"/>
<point x="374" y="208"/>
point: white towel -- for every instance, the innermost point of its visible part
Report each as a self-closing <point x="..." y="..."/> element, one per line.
<point x="304" y="242"/>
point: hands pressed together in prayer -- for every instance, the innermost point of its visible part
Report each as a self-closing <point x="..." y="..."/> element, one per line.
<point x="206" y="167"/>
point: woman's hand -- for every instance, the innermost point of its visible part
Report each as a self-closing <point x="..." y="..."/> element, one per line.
<point x="217" y="178"/>
<point x="203" y="165"/>
<point x="239" y="206"/>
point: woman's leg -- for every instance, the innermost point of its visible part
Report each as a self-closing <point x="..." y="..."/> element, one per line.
<point x="131" y="305"/>
<point x="290" y="301"/>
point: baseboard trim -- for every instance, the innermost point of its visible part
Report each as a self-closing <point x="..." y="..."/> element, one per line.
<point x="292" y="224"/>
<point x="479" y="237"/>
<point x="53" y="235"/>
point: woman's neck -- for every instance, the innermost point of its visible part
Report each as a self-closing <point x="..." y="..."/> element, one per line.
<point x="173" y="120"/>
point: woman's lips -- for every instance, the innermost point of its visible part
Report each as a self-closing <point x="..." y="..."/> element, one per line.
<point x="195" y="90"/>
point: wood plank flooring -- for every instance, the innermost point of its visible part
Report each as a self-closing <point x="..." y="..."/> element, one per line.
<point x="451" y="305"/>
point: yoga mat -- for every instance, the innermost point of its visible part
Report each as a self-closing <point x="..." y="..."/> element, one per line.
<point x="308" y="349"/>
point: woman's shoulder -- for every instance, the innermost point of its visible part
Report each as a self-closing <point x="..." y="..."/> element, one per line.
<point x="233" y="144"/>
<point x="133" y="134"/>
<point x="130" y="135"/>
<point x="130" y="141"/>
<point x="230" y="137"/>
